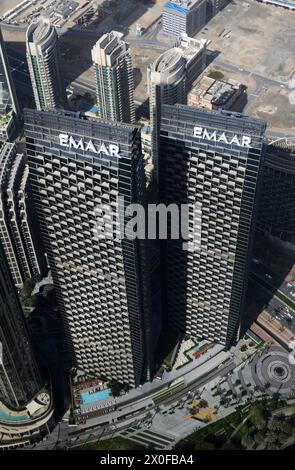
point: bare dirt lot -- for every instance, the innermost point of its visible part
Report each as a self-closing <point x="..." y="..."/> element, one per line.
<point x="274" y="106"/>
<point x="257" y="37"/>
<point x="253" y="43"/>
<point x="6" y="5"/>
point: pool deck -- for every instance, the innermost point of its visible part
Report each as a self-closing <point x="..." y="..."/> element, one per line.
<point x="97" y="404"/>
<point x="12" y="416"/>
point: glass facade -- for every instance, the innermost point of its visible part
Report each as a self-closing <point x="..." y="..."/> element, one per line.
<point x="102" y="284"/>
<point x="204" y="285"/>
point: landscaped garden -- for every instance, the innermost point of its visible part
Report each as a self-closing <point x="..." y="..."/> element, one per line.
<point x="252" y="426"/>
<point x="118" y="443"/>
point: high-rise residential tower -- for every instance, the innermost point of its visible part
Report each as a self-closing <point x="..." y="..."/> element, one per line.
<point x="16" y="219"/>
<point x="19" y="375"/>
<point x="169" y="80"/>
<point x="113" y="68"/>
<point x="44" y="65"/>
<point x="78" y="166"/>
<point x="210" y="162"/>
<point x="9" y="108"/>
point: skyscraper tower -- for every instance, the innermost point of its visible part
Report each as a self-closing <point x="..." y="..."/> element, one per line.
<point x="114" y="81"/>
<point x="276" y="208"/>
<point x="76" y="166"/>
<point x="9" y="108"/>
<point x="19" y="375"/>
<point x="210" y="161"/>
<point x="169" y="80"/>
<point x="16" y="228"/>
<point x="44" y="66"/>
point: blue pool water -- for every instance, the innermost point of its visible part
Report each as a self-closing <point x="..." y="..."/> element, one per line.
<point x="88" y="107"/>
<point x="88" y="398"/>
<point x="3" y="415"/>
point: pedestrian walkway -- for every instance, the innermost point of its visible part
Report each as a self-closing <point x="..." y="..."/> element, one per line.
<point x="148" y="438"/>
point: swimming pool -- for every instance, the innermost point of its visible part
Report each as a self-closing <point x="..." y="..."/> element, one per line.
<point x="7" y="417"/>
<point x="88" y="398"/>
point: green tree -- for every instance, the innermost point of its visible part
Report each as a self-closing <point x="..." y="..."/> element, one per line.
<point x="259" y="436"/>
<point x="205" y="446"/>
<point x="203" y="403"/>
<point x="117" y="387"/>
<point x="247" y="441"/>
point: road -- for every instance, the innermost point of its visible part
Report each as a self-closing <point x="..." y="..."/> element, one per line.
<point x="61" y="438"/>
<point x="277" y="294"/>
<point x="149" y="40"/>
<point x="21" y="76"/>
<point x="274" y="281"/>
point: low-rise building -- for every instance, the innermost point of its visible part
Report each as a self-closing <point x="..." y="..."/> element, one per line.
<point x="212" y="94"/>
<point x="67" y="10"/>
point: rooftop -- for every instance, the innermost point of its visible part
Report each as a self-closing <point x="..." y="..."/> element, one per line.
<point x="35" y="409"/>
<point x="181" y="6"/>
<point x="168" y="60"/>
<point x="108" y="48"/>
<point x="220" y="118"/>
<point x="40" y="31"/>
<point x="186" y="49"/>
<point x="215" y="91"/>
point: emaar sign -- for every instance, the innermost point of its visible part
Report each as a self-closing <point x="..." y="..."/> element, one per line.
<point x="70" y="142"/>
<point x="216" y="136"/>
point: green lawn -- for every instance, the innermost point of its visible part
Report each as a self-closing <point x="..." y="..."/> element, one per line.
<point x="258" y="428"/>
<point x="118" y="443"/>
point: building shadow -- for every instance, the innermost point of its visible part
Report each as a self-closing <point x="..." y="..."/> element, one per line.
<point x="48" y="339"/>
<point x="271" y="273"/>
<point x="143" y="110"/>
<point x="211" y="56"/>
<point x="75" y="45"/>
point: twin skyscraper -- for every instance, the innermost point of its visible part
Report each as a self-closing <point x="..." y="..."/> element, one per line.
<point x="207" y="162"/>
<point x="104" y="285"/>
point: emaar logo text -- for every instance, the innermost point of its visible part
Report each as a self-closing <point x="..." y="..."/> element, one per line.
<point x="70" y="142"/>
<point x="215" y="136"/>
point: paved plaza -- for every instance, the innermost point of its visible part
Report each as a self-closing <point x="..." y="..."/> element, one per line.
<point x="274" y="371"/>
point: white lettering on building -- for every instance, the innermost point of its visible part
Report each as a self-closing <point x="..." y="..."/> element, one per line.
<point x="69" y="141"/>
<point x="203" y="133"/>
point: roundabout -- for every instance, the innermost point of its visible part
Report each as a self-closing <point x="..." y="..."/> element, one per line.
<point x="274" y="371"/>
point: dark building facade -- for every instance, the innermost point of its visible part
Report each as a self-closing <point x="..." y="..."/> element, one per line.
<point x="20" y="380"/>
<point x="9" y="107"/>
<point x="102" y="284"/>
<point x="210" y="161"/>
<point x="276" y="210"/>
